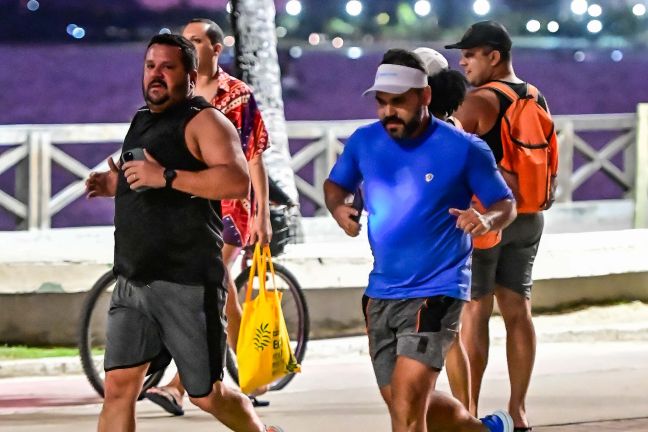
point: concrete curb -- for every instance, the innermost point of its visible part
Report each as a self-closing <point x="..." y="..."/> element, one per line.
<point x="627" y="322"/>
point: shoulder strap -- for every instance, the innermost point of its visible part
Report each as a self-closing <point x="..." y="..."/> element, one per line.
<point x="532" y="91"/>
<point x="501" y="88"/>
<point x="455" y="122"/>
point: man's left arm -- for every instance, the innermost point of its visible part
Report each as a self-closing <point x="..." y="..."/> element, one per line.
<point x="261" y="230"/>
<point x="244" y="114"/>
<point x="253" y="129"/>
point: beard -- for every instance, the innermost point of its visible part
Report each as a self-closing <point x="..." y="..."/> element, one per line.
<point x="157" y="97"/>
<point x="406" y="131"/>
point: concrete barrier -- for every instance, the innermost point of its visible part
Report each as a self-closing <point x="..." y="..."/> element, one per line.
<point x="44" y="274"/>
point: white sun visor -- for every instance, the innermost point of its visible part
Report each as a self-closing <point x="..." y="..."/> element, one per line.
<point x="397" y="79"/>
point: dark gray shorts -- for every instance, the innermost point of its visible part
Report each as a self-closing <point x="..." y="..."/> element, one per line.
<point x="160" y="320"/>
<point x="510" y="263"/>
<point x="422" y="329"/>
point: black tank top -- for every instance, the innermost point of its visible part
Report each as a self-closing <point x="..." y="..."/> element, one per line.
<point x="493" y="137"/>
<point x="165" y="234"/>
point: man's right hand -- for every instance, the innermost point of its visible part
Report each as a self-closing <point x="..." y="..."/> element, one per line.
<point x="342" y="215"/>
<point x="103" y="184"/>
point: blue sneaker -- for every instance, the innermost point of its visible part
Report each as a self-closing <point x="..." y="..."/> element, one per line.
<point x="499" y="421"/>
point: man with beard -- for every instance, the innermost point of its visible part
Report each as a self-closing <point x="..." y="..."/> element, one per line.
<point x="169" y="298"/>
<point x="418" y="175"/>
<point x="244" y="221"/>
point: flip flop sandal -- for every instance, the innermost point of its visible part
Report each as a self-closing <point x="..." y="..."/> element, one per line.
<point x="165" y="400"/>
<point x="258" y="403"/>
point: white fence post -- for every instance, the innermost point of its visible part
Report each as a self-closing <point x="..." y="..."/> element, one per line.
<point x="640" y="194"/>
<point x="45" y="191"/>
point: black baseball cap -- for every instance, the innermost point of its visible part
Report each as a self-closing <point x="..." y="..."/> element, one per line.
<point x="489" y="33"/>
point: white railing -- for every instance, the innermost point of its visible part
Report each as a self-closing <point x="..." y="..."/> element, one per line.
<point x="32" y="149"/>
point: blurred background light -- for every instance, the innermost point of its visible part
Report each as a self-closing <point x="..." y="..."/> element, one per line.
<point x="281" y="31"/>
<point x="639" y="9"/>
<point x="359" y="22"/>
<point x="78" y="33"/>
<point x="553" y="26"/>
<point x="295" y="52"/>
<point x="594" y="10"/>
<point x="422" y="8"/>
<point x="293" y="7"/>
<point x="354" y="53"/>
<point x="579" y="7"/>
<point x="354" y="7"/>
<point x="33" y="5"/>
<point x="314" y="39"/>
<point x="533" y="26"/>
<point x="481" y="7"/>
<point x="616" y="55"/>
<point x="382" y="18"/>
<point x="594" y="26"/>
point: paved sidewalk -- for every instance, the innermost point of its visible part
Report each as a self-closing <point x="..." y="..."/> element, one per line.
<point x="627" y="322"/>
<point x="577" y="387"/>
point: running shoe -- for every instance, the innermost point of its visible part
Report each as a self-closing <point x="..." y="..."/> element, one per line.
<point x="499" y="421"/>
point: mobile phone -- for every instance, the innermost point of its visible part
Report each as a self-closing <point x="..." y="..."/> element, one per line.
<point x="133" y="154"/>
<point x="358" y="204"/>
<point x="136" y="153"/>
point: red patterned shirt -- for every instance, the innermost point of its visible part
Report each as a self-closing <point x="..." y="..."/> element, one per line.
<point x="235" y="99"/>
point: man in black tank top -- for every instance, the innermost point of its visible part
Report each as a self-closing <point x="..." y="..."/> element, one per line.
<point x="179" y="159"/>
<point x="504" y="270"/>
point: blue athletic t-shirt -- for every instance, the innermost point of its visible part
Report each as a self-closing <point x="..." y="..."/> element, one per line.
<point x="409" y="186"/>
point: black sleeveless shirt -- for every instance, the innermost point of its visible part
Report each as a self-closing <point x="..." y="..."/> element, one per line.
<point x="165" y="234"/>
<point x="493" y="137"/>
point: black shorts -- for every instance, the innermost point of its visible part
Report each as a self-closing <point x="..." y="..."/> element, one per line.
<point x="510" y="263"/>
<point x="161" y="320"/>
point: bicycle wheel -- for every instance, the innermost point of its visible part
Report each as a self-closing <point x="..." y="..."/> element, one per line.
<point x="295" y="313"/>
<point x="92" y="335"/>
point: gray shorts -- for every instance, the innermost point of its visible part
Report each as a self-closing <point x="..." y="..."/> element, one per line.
<point x="510" y="263"/>
<point x="161" y="320"/>
<point x="421" y="328"/>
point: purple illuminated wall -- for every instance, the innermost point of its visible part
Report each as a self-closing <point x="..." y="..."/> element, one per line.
<point x="88" y="84"/>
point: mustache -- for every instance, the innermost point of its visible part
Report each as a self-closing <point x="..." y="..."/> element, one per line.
<point x="157" y="81"/>
<point x="392" y="119"/>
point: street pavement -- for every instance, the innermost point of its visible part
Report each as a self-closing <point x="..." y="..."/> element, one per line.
<point x="592" y="380"/>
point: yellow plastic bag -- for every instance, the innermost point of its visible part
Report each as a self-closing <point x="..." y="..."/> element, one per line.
<point x="263" y="350"/>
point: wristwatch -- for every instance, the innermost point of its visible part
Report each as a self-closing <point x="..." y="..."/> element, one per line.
<point x="169" y="176"/>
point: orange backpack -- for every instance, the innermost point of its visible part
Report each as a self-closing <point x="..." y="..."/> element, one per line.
<point x="530" y="149"/>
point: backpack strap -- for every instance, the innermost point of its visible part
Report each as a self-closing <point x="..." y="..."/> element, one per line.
<point x="502" y="89"/>
<point x="455" y="122"/>
<point x="532" y="91"/>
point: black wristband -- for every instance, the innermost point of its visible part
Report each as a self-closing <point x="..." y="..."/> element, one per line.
<point x="169" y="176"/>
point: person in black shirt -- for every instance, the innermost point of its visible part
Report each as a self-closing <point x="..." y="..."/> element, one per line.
<point x="170" y="292"/>
<point x="504" y="270"/>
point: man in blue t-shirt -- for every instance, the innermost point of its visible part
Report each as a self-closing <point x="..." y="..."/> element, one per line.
<point x="418" y="177"/>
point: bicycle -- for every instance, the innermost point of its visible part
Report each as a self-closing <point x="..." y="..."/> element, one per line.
<point x="295" y="309"/>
